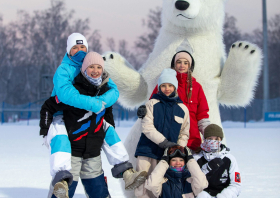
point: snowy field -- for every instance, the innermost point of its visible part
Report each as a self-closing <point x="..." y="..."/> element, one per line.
<point x="24" y="165"/>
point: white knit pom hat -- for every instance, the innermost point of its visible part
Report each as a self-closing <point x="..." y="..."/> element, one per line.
<point x="74" y="39"/>
<point x="168" y="76"/>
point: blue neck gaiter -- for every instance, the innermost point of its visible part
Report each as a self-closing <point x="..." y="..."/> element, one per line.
<point x="180" y="169"/>
<point x="79" y="57"/>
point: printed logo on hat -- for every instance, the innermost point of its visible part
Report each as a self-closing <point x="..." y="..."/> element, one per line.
<point x="79" y="42"/>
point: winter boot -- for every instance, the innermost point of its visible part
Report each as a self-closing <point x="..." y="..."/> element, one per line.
<point x="134" y="179"/>
<point x="61" y="189"/>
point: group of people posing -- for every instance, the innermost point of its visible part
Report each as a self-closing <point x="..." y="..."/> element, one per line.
<point x="179" y="154"/>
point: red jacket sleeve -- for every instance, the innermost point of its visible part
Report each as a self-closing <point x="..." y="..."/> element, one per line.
<point x="154" y="92"/>
<point x="202" y="109"/>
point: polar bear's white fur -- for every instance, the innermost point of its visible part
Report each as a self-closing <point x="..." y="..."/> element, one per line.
<point x="199" y="29"/>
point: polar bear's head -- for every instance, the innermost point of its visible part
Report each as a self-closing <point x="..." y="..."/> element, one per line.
<point x="194" y="14"/>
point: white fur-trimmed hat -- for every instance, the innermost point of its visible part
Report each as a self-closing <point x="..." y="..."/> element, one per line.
<point x="74" y="39"/>
<point x="168" y="76"/>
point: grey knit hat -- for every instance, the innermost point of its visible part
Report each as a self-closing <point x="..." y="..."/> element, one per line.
<point x="213" y="130"/>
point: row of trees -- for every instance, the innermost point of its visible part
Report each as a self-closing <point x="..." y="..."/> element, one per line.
<point x="35" y="45"/>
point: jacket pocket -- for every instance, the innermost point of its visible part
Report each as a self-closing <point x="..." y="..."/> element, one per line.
<point x="179" y="119"/>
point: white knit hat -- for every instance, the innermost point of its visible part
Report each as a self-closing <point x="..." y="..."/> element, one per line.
<point x="168" y="76"/>
<point x="74" y="39"/>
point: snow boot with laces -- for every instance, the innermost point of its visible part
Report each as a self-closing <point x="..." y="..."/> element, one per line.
<point x="134" y="179"/>
<point x="61" y="189"/>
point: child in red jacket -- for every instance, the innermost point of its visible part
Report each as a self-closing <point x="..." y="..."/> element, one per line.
<point x="192" y="95"/>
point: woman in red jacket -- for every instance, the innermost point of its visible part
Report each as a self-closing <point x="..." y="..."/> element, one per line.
<point x="192" y="95"/>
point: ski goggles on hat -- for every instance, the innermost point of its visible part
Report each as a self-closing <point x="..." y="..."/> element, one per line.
<point x="175" y="150"/>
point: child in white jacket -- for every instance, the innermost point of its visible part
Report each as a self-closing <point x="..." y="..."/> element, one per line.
<point x="219" y="166"/>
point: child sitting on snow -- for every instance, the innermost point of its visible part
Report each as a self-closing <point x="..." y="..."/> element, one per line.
<point x="86" y="132"/>
<point x="219" y="166"/>
<point x="166" y="124"/>
<point x="171" y="178"/>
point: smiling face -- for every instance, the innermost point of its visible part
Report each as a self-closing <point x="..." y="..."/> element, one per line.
<point x="167" y="88"/>
<point x="94" y="71"/>
<point x="77" y="48"/>
<point x="182" y="65"/>
<point x="177" y="162"/>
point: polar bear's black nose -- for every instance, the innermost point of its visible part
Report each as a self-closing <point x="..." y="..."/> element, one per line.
<point x="182" y="5"/>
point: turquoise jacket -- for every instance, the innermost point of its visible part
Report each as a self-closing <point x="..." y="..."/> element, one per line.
<point x="63" y="81"/>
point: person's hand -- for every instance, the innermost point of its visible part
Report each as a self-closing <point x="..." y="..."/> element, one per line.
<point x="102" y="107"/>
<point x="165" y="156"/>
<point x="215" y="164"/>
<point x="166" y="144"/>
<point x="142" y="111"/>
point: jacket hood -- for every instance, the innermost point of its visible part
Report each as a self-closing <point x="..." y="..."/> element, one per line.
<point x="220" y="154"/>
<point x="165" y="99"/>
<point x="173" y="59"/>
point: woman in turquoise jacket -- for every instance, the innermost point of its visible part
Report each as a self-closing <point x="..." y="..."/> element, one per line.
<point x="64" y="78"/>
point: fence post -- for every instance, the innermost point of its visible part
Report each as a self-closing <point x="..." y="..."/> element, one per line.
<point x="29" y="113"/>
<point x="119" y="117"/>
<point x="245" y="114"/>
<point x="3" y="119"/>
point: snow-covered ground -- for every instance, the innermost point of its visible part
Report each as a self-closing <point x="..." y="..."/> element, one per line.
<point x="24" y="165"/>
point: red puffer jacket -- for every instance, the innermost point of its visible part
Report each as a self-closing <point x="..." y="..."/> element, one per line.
<point x="198" y="107"/>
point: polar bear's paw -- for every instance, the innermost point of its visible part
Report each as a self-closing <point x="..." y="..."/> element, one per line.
<point x="244" y="54"/>
<point x="240" y="74"/>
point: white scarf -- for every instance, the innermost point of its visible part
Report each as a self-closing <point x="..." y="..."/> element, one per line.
<point x="94" y="81"/>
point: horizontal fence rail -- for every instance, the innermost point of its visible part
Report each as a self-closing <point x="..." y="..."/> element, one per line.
<point x="14" y="113"/>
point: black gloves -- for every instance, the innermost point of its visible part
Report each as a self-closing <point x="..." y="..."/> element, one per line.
<point x="166" y="144"/>
<point x="188" y="154"/>
<point x="142" y="111"/>
<point x="165" y="156"/>
<point x="215" y="164"/>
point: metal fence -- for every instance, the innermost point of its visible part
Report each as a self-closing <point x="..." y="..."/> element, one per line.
<point x="252" y="112"/>
<point x="14" y="113"/>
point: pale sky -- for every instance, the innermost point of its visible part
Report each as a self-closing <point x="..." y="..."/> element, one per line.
<point x="122" y="19"/>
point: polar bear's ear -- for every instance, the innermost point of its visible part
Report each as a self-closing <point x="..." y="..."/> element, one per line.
<point x="185" y="46"/>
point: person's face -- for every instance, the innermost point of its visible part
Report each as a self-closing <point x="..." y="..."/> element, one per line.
<point x="76" y="48"/>
<point x="94" y="71"/>
<point x="182" y="65"/>
<point x="213" y="138"/>
<point x="167" y="88"/>
<point x="177" y="162"/>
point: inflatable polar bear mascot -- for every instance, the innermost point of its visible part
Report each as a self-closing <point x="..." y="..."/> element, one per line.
<point x="196" y="26"/>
